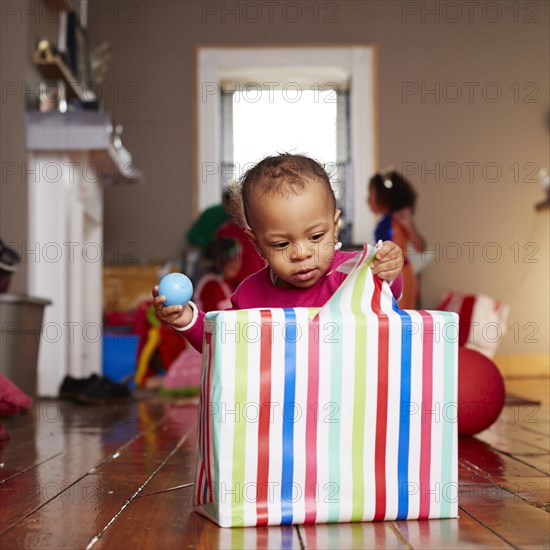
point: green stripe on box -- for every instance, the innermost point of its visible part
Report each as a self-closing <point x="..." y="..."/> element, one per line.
<point x="358" y="430"/>
<point x="214" y="395"/>
<point x="337" y="346"/>
<point x="449" y="424"/>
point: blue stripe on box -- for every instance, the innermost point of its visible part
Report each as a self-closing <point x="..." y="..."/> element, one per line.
<point x="404" y="414"/>
<point x="287" y="475"/>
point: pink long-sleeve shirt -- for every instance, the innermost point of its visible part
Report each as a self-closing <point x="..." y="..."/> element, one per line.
<point x="258" y="290"/>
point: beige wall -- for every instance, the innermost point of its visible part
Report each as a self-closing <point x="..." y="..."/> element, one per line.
<point x="149" y="91"/>
<point x="13" y="192"/>
<point x="153" y="54"/>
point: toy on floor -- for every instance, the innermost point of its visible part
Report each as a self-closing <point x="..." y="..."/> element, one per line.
<point x="159" y="345"/>
<point x="184" y="375"/>
<point x="151" y="344"/>
<point x="13" y="400"/>
<point x="480" y="392"/>
<point x="177" y="288"/>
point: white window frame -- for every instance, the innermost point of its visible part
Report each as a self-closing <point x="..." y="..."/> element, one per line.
<point x="358" y="61"/>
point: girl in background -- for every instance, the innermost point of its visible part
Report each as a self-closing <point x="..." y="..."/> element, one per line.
<point x="393" y="198"/>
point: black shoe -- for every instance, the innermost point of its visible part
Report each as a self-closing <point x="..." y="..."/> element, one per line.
<point x="103" y="390"/>
<point x="71" y="387"/>
<point x="9" y="259"/>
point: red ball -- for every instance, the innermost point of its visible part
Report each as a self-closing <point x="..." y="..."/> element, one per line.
<point x="480" y="392"/>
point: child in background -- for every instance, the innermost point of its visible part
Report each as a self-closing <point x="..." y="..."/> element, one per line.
<point x="290" y="213"/>
<point x="214" y="289"/>
<point x="392" y="196"/>
<point x="250" y="260"/>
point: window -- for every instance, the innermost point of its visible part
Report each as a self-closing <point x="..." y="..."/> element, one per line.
<point x="313" y="100"/>
<point x="257" y="122"/>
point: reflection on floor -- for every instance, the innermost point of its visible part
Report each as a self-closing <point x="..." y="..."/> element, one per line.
<point x="120" y="476"/>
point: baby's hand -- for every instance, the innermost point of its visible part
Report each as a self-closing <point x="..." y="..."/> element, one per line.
<point x="176" y="316"/>
<point x="388" y="262"/>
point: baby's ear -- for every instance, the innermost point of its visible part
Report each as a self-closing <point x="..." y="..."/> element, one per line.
<point x="254" y="241"/>
<point x="249" y="233"/>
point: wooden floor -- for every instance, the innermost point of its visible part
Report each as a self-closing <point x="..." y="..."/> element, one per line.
<point x="120" y="476"/>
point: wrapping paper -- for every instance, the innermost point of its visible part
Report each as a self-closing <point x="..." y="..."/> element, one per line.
<point x="340" y="414"/>
<point x="482" y="320"/>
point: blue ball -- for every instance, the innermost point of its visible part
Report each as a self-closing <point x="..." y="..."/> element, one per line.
<point x="177" y="288"/>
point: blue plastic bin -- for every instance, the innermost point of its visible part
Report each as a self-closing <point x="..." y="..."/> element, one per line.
<point x="119" y="356"/>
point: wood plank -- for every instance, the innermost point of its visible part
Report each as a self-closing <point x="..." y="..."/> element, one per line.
<point x="69" y="519"/>
<point x="507" y="444"/>
<point x="351" y="535"/>
<point x="187" y="529"/>
<point x="528" y="416"/>
<point x="149" y="450"/>
<point x="516" y="479"/>
<point x="540" y="462"/>
<point x="506" y="514"/>
<point x="535" y="490"/>
<point x="146" y="514"/>
<point x="42" y="432"/>
<point x="523" y="426"/>
<point x="31" y="489"/>
<point x="516" y="441"/>
<point x="182" y="527"/>
<point x="463" y="532"/>
<point x="87" y="507"/>
<point x="165" y="520"/>
<point x="467" y="474"/>
<point x="502" y="493"/>
<point x="488" y="462"/>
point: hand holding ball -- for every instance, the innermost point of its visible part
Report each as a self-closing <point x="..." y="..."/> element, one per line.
<point x="177" y="288"/>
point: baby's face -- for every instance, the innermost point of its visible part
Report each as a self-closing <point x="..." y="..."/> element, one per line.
<point x="295" y="233"/>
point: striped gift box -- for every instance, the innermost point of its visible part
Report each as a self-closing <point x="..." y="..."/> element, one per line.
<point x="339" y="414"/>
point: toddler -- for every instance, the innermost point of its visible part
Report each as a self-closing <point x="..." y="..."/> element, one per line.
<point x="290" y="215"/>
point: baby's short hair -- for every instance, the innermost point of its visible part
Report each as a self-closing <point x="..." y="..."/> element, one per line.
<point x="285" y="174"/>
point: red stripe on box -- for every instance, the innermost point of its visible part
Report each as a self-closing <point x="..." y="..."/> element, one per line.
<point x="426" y="413"/>
<point x="208" y="418"/>
<point x="382" y="403"/>
<point x="262" y="479"/>
<point x="311" y="424"/>
<point x="200" y="487"/>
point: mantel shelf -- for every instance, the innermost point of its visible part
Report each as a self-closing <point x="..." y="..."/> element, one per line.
<point x="83" y="131"/>
<point x="54" y="68"/>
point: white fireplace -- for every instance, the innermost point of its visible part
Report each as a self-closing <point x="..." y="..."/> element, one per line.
<point x="70" y="157"/>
